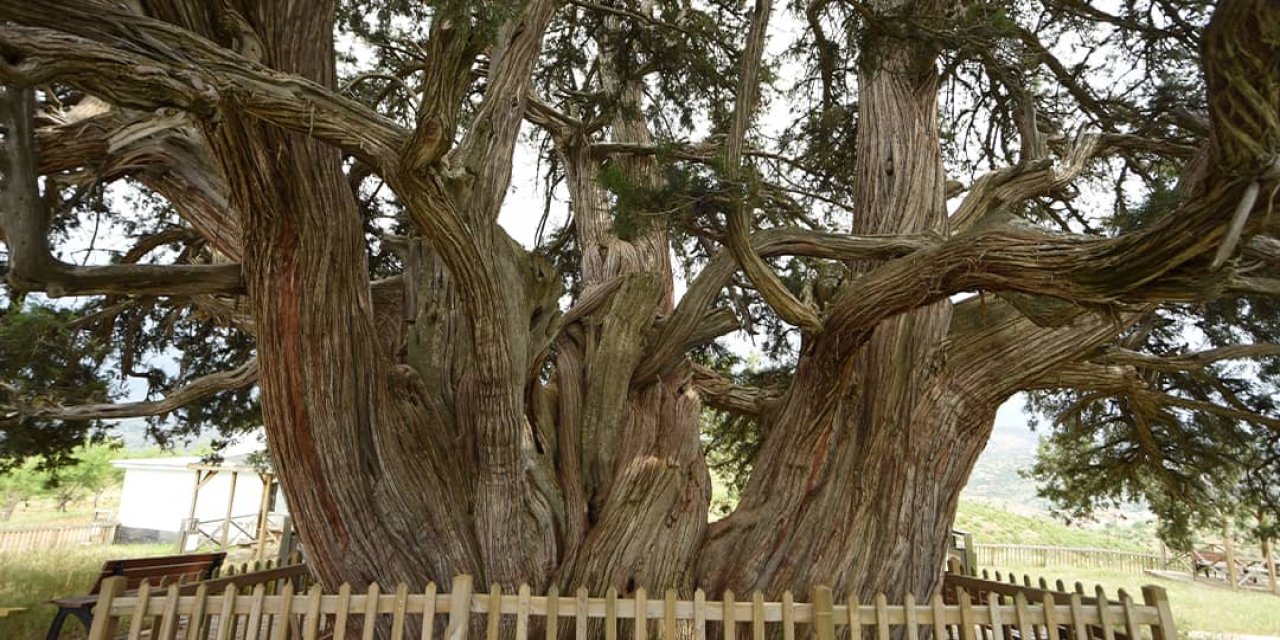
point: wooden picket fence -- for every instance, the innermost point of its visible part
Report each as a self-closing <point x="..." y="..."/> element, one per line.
<point x="1004" y="555"/>
<point x="52" y="537"/>
<point x="169" y="615"/>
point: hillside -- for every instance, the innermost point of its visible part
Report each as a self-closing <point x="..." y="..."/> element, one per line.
<point x="990" y="524"/>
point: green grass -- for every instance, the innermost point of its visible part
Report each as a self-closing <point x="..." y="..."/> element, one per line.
<point x="993" y="525"/>
<point x="31" y="579"/>
<point x="1196" y="607"/>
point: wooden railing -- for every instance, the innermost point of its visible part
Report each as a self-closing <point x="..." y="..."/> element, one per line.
<point x="1011" y="589"/>
<point x="229" y="615"/>
<point x="49" y="537"/>
<point x="1005" y="555"/>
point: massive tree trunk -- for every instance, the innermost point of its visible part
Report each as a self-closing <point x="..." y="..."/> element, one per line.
<point x="455" y="420"/>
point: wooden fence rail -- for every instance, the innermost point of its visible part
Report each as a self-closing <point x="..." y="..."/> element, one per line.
<point x="1005" y="555"/>
<point x="230" y="615"/>
<point x="49" y="537"/>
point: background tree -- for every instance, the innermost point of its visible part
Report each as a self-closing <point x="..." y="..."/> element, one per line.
<point x="46" y="360"/>
<point x="20" y="483"/>
<point x="91" y="473"/>
<point x="923" y="241"/>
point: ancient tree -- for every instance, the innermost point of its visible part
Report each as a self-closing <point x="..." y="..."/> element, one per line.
<point x="918" y="207"/>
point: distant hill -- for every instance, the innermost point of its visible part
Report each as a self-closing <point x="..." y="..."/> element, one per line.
<point x="990" y="524"/>
<point x="996" y="479"/>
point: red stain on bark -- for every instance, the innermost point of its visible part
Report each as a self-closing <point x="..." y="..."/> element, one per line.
<point x="298" y="430"/>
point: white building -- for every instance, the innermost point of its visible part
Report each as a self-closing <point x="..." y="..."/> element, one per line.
<point x="160" y="495"/>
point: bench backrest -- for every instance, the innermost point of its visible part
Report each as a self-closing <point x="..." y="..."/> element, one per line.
<point x="160" y="569"/>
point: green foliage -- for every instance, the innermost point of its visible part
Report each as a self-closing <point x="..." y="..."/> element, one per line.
<point x="83" y="471"/>
<point x="19" y="484"/>
<point x="91" y="473"/>
<point x="45" y="360"/>
<point x="1195" y="467"/>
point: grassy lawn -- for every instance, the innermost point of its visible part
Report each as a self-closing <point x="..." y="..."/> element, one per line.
<point x="30" y="579"/>
<point x="1196" y="607"/>
<point x="42" y="511"/>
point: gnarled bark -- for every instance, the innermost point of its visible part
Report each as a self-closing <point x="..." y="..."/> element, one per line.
<point x="454" y="419"/>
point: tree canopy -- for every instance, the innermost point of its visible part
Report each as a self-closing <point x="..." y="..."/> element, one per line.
<point x="914" y="208"/>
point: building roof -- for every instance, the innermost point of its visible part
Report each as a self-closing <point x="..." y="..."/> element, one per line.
<point x="235" y="458"/>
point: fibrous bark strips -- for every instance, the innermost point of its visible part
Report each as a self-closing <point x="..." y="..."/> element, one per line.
<point x="455" y="420"/>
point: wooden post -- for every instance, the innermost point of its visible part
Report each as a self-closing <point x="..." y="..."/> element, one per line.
<point x="1159" y="598"/>
<point x="226" y="523"/>
<point x="263" y="503"/>
<point x="180" y="547"/>
<point x="195" y="494"/>
<point x="286" y="542"/>
<point x="823" y="617"/>
<point x="103" y="626"/>
<point x="1231" y="555"/>
<point x="1269" y="557"/>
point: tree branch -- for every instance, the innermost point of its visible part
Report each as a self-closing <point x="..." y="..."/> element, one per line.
<point x="147" y="64"/>
<point x="241" y="377"/>
<point x="1187" y="361"/>
<point x="167" y="154"/>
<point x="25" y="223"/>
<point x="719" y="393"/>
<point x="775" y="294"/>
<point x="704" y="289"/>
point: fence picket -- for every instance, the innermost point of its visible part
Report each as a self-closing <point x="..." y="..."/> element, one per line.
<point x="997" y="621"/>
<point x="169" y="619"/>
<point x="253" y="624"/>
<point x="1130" y="620"/>
<point x="311" y="622"/>
<point x="495" y="612"/>
<point x="939" y="617"/>
<point x="1104" y="614"/>
<point x="823" y="617"/>
<point x="788" y="616"/>
<point x="730" y="618"/>
<point x="1008" y="611"/>
<point x="522" y="612"/>
<point x="909" y="615"/>
<point x="1157" y="597"/>
<point x="611" y="614"/>
<point x="370" y="619"/>
<point x="343" y="612"/>
<point x="281" y="624"/>
<point x="103" y="626"/>
<point x="196" y="627"/>
<point x="669" y="616"/>
<point x="642" y="615"/>
<point x="1077" y="618"/>
<point x="855" y="614"/>
<point x="460" y="609"/>
<point x="580" y="616"/>
<point x="397" y="611"/>
<point x="882" y="617"/>
<point x="1023" y="617"/>
<point x="429" y="611"/>
<point x="140" y="611"/>
<point x="227" y="614"/>
<point x="966" y="615"/>
<point x="700" y="614"/>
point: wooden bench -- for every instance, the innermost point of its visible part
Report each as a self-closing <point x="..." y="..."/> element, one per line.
<point x="157" y="570"/>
